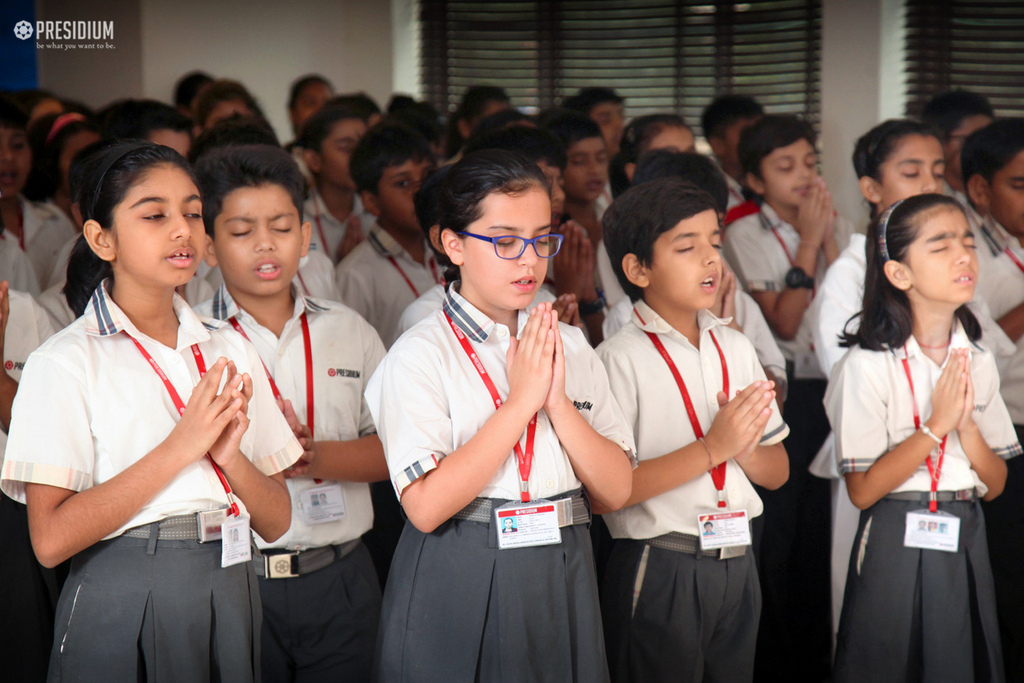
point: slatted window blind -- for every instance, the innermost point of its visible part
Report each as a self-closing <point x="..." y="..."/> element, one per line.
<point x="661" y="55"/>
<point x="973" y="44"/>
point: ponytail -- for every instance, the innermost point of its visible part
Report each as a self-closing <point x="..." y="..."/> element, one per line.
<point x="86" y="271"/>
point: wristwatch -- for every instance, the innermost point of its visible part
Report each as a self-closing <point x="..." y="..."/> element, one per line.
<point x="796" y="278"/>
<point x="595" y="306"/>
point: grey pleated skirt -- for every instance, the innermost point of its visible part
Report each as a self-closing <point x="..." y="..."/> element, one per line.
<point x="458" y="609"/>
<point x="918" y="615"/>
<point x="174" y="615"/>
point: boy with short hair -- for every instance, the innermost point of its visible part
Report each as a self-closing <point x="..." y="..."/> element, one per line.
<point x="321" y="599"/>
<point x="339" y="220"/>
<point x="678" y="602"/>
<point x="149" y="120"/>
<point x="36" y="229"/>
<point x="779" y="254"/>
<point x="722" y="122"/>
<point x="607" y="109"/>
<point x="956" y="114"/>
<point x="394" y="265"/>
<point x="993" y="171"/>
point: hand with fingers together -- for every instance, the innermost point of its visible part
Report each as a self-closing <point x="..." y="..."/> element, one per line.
<point x="531" y="360"/>
<point x="305" y="436"/>
<point x="737" y="428"/>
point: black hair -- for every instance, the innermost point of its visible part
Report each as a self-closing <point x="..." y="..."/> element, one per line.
<point x="634" y="221"/>
<point x="689" y="166"/>
<point x="769" y="134"/>
<point x="318" y="127"/>
<point x="588" y="98"/>
<point x="725" y="111"/>
<point x="571" y="126"/>
<point x="876" y="146"/>
<point x="886" y="317"/>
<point x="109" y="174"/>
<point x="474" y="103"/>
<point x="302" y="83"/>
<point x="387" y="144"/>
<point x="188" y="87"/>
<point x="47" y="146"/>
<point x="499" y="120"/>
<point x="79" y="165"/>
<point x="398" y="102"/>
<point x="359" y="102"/>
<point x="28" y="99"/>
<point x="636" y="138"/>
<point x="947" y="110"/>
<point x="421" y="117"/>
<point x="987" y="150"/>
<point x="12" y="115"/>
<point x="137" y="119"/>
<point x="473" y="179"/>
<point x="234" y="131"/>
<point x="425" y="203"/>
<point x="215" y="92"/>
<point x="222" y="171"/>
<point x="535" y="144"/>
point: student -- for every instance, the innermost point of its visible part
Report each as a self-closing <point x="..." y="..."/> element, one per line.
<point x="312" y="349"/>
<point x="642" y="135"/>
<point x="121" y="502"/>
<point x="920" y="429"/>
<point x="993" y="168"/>
<point x="479" y="102"/>
<point x="956" y="114"/>
<point x="394" y="265"/>
<point x="674" y="608"/>
<point x="36" y="229"/>
<point x="306" y="97"/>
<point x="731" y="301"/>
<point x="723" y="121"/>
<point x="149" y="120"/>
<point x="334" y="208"/>
<point x="360" y="103"/>
<point x="780" y="254"/>
<point x="896" y="159"/>
<point x="457" y="606"/>
<point x="30" y="590"/>
<point x="186" y="89"/>
<point x="607" y="109"/>
<point x="56" y="140"/>
<point x="584" y="181"/>
<point x="220" y="100"/>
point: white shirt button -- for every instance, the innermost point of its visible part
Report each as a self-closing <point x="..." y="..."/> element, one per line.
<point x="175" y="359"/>
<point x="550" y="483"/>
<point x="502" y="333"/>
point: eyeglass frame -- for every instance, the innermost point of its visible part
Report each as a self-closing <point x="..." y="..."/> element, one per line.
<point x="526" y="242"/>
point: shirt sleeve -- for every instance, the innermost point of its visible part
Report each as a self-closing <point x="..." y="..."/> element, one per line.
<point x="50" y="441"/>
<point x="745" y="252"/>
<point x="272" y="445"/>
<point x="776" y="430"/>
<point x="856" y="404"/>
<point x="606" y="417"/>
<point x="373" y="354"/>
<point x="838" y="300"/>
<point x="990" y="413"/>
<point x="410" y="407"/>
<point x="756" y="329"/>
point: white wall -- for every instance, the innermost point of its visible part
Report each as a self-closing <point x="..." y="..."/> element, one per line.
<point x="266" y="44"/>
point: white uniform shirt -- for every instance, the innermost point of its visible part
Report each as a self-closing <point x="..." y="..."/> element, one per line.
<point x="427" y="400"/>
<point x="840" y="296"/>
<point x="653" y="406"/>
<point x="748" y="316"/>
<point x="379" y="279"/>
<point x="346" y="351"/>
<point x="613" y="291"/>
<point x="89" y="406"/>
<point x="326" y="226"/>
<point x="46" y="230"/>
<point x="27" y="328"/>
<point x="17" y="269"/>
<point x="434" y="298"/>
<point x="870" y="406"/>
<point x="753" y="247"/>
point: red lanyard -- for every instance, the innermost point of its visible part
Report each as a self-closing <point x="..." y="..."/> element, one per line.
<point x="433" y="271"/>
<point x="934" y="470"/>
<point x="307" y="348"/>
<point x="1013" y="257"/>
<point x="524" y="459"/>
<point x="717" y="472"/>
<point x="180" y="405"/>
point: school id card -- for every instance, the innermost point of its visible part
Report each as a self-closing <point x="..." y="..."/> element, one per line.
<point x="729" y="531"/>
<point x="932" y="531"/>
<point x="322" y="504"/>
<point x="236" y="541"/>
<point x="522" y="525"/>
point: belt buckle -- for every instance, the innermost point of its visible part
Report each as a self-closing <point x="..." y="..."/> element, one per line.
<point x="209" y="522"/>
<point x="281" y="565"/>
<point x="563" y="507"/>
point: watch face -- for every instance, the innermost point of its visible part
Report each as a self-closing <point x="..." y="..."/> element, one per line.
<point x="795" y="277"/>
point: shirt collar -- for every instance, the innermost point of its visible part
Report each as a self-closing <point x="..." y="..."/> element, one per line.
<point x="648" y="320"/>
<point x="104" y="318"/>
<point x="770" y="219"/>
<point x="473" y="322"/>
<point x="224" y="306"/>
<point x="995" y="235"/>
<point x="383" y="243"/>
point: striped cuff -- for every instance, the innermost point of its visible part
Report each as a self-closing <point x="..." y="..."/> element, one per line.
<point x="281" y="460"/>
<point x="17" y="474"/>
<point x="775" y="436"/>
<point x="414" y="472"/>
<point x="1010" y="451"/>
<point x="848" y="465"/>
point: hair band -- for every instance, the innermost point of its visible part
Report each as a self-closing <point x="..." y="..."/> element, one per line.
<point x="883" y="227"/>
<point x="60" y="122"/>
<point x="114" y="158"/>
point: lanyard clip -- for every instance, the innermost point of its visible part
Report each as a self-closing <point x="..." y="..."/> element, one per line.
<point x="524" y="491"/>
<point x="933" y="503"/>
<point x="721" y="498"/>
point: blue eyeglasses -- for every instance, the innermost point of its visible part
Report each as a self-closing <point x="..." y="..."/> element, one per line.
<point x="511" y="247"/>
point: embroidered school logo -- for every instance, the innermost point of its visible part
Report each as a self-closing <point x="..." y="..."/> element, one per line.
<point x="583" y="405"/>
<point x="342" y="372"/>
<point x="23" y="30"/>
